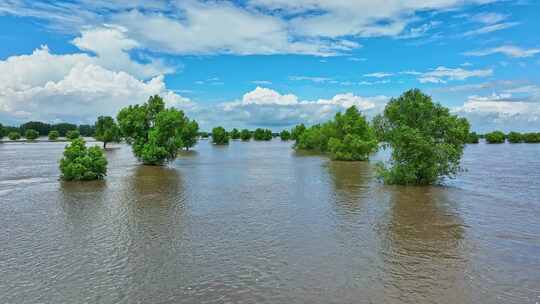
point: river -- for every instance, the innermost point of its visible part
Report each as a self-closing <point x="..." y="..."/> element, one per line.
<point x="258" y="222"/>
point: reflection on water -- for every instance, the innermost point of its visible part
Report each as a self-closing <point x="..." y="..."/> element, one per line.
<point x="259" y="223"/>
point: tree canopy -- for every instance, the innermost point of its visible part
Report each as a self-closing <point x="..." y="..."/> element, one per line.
<point x="245" y="135"/>
<point x="31" y="134"/>
<point x="473" y="138"/>
<point x="262" y="134"/>
<point x="235" y="134"/>
<point x="427" y="141"/>
<point x="73" y="134"/>
<point x="515" y="137"/>
<point x="285" y="135"/>
<point x="81" y="163"/>
<point x="106" y="130"/>
<point x="2" y="131"/>
<point x="53" y="135"/>
<point x="297" y="131"/>
<point x="14" y="135"/>
<point x="190" y="132"/>
<point x="154" y="132"/>
<point x="531" y="137"/>
<point x="220" y="136"/>
<point x="495" y="137"/>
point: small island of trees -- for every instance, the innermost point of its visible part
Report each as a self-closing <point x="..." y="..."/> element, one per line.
<point x="220" y="136"/>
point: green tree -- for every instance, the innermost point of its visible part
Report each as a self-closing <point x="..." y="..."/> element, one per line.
<point x="204" y="134"/>
<point x="31" y="134"/>
<point x="81" y="163"/>
<point x="245" y="135"/>
<point x="531" y="138"/>
<point x="473" y="138"/>
<point x="262" y="134"/>
<point x="220" y="136"/>
<point x="63" y="128"/>
<point x="154" y="132"/>
<point x="87" y="130"/>
<point x="73" y="134"/>
<point x="427" y="141"/>
<point x="41" y="127"/>
<point x="2" y="132"/>
<point x="495" y="137"/>
<point x="297" y="131"/>
<point x="106" y="130"/>
<point x="515" y="137"/>
<point x="190" y="133"/>
<point x="53" y="135"/>
<point x="14" y="135"/>
<point x="285" y="135"/>
<point x="235" y="134"/>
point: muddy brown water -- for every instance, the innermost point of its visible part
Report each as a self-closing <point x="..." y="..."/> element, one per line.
<point x="259" y="223"/>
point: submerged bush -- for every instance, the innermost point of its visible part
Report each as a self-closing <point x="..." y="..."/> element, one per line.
<point x="495" y="137"/>
<point x="73" y="134"/>
<point x="262" y="134"/>
<point x="515" y="137"/>
<point x="473" y="138"/>
<point x="297" y="131"/>
<point x="155" y="133"/>
<point x="14" y="136"/>
<point x="81" y="163"/>
<point x="53" y="135"/>
<point x="427" y="141"/>
<point x="235" y="134"/>
<point x="220" y="136"/>
<point x="348" y="137"/>
<point x="245" y="135"/>
<point x="285" y="135"/>
<point x="531" y="138"/>
<point x="31" y="134"/>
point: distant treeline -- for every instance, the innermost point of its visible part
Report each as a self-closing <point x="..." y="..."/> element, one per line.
<point x="44" y="129"/>
<point x="499" y="137"/>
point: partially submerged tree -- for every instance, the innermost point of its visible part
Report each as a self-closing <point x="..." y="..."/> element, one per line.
<point x="531" y="138"/>
<point x="220" y="136"/>
<point x="235" y="134"/>
<point x="2" y="131"/>
<point x="53" y="135"/>
<point x="285" y="135"/>
<point x="73" y="134"/>
<point x="495" y="137"/>
<point x="297" y="131"/>
<point x="107" y="131"/>
<point x="190" y="132"/>
<point x="245" y="135"/>
<point x="515" y="137"/>
<point x="473" y="138"/>
<point x="154" y="132"/>
<point x="81" y="163"/>
<point x="14" y="136"/>
<point x="31" y="134"/>
<point x="262" y="134"/>
<point x="427" y="141"/>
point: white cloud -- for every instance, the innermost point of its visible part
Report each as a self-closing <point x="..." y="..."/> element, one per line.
<point x="508" y="50"/>
<point x="488" y="18"/>
<point x="490" y="28"/>
<point x="378" y="75"/>
<point x="443" y="74"/>
<point x="309" y="78"/>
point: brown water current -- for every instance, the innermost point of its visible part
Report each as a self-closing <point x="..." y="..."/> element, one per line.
<point x="258" y="222"/>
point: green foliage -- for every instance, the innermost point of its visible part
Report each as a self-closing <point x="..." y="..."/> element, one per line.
<point x="220" y="136"/>
<point x="73" y="134"/>
<point x="2" y="131"/>
<point x="81" y="163"/>
<point x="31" y="134"/>
<point x="41" y="127"/>
<point x="515" y="137"/>
<point x="235" y="134"/>
<point x="53" y="135"/>
<point x="297" y="131"/>
<point x="63" y="128"/>
<point x="495" y="137"/>
<point x="14" y="135"/>
<point x="427" y="141"/>
<point x="245" y="135"/>
<point x="190" y="132"/>
<point x="106" y="130"/>
<point x="285" y="135"/>
<point x="262" y="134"/>
<point x="87" y="130"/>
<point x="348" y="137"/>
<point x="531" y="138"/>
<point x="204" y="134"/>
<point x="154" y="132"/>
<point x="473" y="138"/>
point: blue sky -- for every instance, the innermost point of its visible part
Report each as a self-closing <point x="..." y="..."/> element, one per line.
<point x="269" y="63"/>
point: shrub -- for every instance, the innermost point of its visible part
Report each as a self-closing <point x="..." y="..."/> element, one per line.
<point x="515" y="137"/>
<point x="297" y="131"/>
<point x="245" y="135"/>
<point x="427" y="141"/>
<point x="81" y="163"/>
<point x="14" y="136"/>
<point x="285" y="135"/>
<point x="73" y="134"/>
<point x="31" y="134"/>
<point x="495" y="137"/>
<point x="262" y="134"/>
<point x="531" y="137"/>
<point x="220" y="136"/>
<point x="53" y="135"/>
<point x="106" y="130"/>
<point x="473" y="138"/>
<point x="235" y="134"/>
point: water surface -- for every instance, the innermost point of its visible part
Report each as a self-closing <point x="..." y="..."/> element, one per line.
<point x="259" y="223"/>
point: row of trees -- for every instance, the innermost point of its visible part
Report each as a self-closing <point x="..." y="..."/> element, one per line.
<point x="44" y="129"/>
<point x="221" y="137"/>
<point x="498" y="137"/>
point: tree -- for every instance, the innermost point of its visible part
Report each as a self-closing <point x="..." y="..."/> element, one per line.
<point x="189" y="134"/>
<point x="245" y="135"/>
<point x="285" y="135"/>
<point x="81" y="163"/>
<point x="262" y="134"/>
<point x="297" y="131"/>
<point x="63" y="128"/>
<point x="531" y="138"/>
<point x="203" y="134"/>
<point x="107" y="130"/>
<point x="73" y="134"/>
<point x="515" y="137"/>
<point x="53" y="135"/>
<point x="220" y="136"/>
<point x="495" y="137"/>
<point x="2" y="131"/>
<point x="473" y="138"/>
<point x="154" y="132"/>
<point x="87" y="130"/>
<point x="427" y="141"/>
<point x="235" y="134"/>
<point x="14" y="135"/>
<point x="41" y="127"/>
<point x="31" y="134"/>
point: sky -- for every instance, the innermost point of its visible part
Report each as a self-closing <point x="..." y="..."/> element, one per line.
<point x="269" y="63"/>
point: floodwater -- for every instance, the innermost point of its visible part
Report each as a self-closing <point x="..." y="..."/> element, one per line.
<point x="259" y="223"/>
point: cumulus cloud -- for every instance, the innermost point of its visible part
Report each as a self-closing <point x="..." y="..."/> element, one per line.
<point x="508" y="50"/>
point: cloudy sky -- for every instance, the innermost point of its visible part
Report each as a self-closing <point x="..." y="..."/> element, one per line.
<point x="269" y="63"/>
